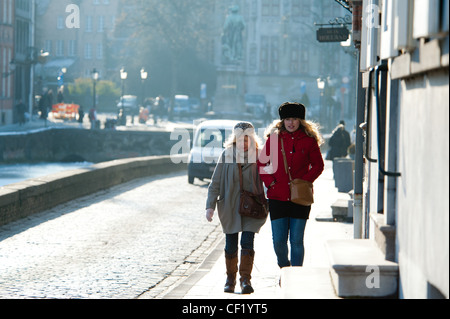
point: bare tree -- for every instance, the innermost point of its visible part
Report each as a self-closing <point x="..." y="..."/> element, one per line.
<point x="177" y="27"/>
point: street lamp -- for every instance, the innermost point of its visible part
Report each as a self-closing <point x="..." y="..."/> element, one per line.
<point x="95" y="79"/>
<point x="122" y="115"/>
<point x="320" y="84"/>
<point x="321" y="87"/>
<point x="123" y="77"/>
<point x="144" y="76"/>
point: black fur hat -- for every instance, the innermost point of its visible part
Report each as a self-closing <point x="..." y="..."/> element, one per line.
<point x="292" y="109"/>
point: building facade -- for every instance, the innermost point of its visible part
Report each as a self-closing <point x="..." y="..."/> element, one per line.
<point x="401" y="166"/>
<point x="7" y="20"/>
<point x="25" y="53"/>
<point x="77" y="35"/>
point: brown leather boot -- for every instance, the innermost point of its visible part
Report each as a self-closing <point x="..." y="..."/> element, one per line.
<point x="231" y="262"/>
<point x="245" y="270"/>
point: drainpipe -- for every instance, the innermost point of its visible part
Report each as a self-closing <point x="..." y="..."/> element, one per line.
<point x="359" y="164"/>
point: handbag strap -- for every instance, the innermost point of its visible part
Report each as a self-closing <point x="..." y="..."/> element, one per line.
<point x="285" y="161"/>
<point x="241" y="184"/>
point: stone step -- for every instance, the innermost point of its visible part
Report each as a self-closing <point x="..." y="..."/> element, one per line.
<point x="342" y="210"/>
<point x="359" y="269"/>
<point x="306" y="283"/>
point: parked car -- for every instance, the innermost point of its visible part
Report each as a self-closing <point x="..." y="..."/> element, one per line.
<point x="255" y="104"/>
<point x="207" y="146"/>
<point x="128" y="103"/>
<point x="181" y="106"/>
<point x="195" y="106"/>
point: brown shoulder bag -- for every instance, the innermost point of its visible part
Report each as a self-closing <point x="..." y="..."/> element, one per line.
<point x="251" y="205"/>
<point x="301" y="191"/>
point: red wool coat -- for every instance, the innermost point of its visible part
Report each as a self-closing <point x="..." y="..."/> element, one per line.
<point x="303" y="157"/>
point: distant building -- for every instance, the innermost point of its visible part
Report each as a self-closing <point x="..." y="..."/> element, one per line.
<point x="25" y="53"/>
<point x="77" y="35"/>
<point x="283" y="59"/>
<point x="7" y="20"/>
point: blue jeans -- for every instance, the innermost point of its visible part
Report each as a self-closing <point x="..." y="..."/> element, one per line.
<point x="231" y="242"/>
<point x="294" y="229"/>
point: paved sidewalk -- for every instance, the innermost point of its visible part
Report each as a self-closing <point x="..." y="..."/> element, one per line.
<point x="314" y="282"/>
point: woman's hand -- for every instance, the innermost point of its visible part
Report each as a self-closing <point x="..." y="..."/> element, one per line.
<point x="209" y="214"/>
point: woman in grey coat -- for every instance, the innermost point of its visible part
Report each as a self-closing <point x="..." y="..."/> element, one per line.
<point x="224" y="192"/>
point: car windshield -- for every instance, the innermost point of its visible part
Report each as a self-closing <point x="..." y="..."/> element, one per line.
<point x="128" y="99"/>
<point x="212" y="137"/>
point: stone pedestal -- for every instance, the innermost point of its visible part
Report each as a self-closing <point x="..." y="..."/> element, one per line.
<point x="229" y="96"/>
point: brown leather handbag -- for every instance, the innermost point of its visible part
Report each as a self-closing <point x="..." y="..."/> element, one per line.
<point x="301" y="191"/>
<point x="252" y="205"/>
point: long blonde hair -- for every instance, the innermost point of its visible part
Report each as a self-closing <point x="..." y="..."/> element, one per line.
<point x="310" y="128"/>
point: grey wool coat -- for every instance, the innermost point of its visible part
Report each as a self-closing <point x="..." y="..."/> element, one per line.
<point x="224" y="192"/>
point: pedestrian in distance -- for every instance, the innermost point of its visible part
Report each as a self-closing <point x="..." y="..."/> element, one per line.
<point x="21" y="109"/>
<point x="301" y="140"/>
<point x="80" y="115"/>
<point x="93" y="117"/>
<point x="224" y="192"/>
<point x="339" y="142"/>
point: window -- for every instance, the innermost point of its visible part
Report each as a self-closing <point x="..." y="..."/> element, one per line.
<point x="274" y="55"/>
<point x="301" y="8"/>
<point x="295" y="67"/>
<point x="60" y="48"/>
<point x="88" y="23"/>
<point x="113" y="22"/>
<point x="269" y="56"/>
<point x="72" y="48"/>
<point x="252" y="60"/>
<point x="101" y="24"/>
<point x="99" y="51"/>
<point x="60" y="23"/>
<point x="264" y="56"/>
<point x="296" y="8"/>
<point x="304" y="60"/>
<point x="329" y="64"/>
<point x="270" y="8"/>
<point x="48" y="46"/>
<point x="88" y="51"/>
<point x="3" y="71"/>
<point x="299" y="57"/>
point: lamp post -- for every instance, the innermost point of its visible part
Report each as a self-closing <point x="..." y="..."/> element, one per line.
<point x="321" y="87"/>
<point x="95" y="78"/>
<point x="144" y="76"/>
<point x="123" y="77"/>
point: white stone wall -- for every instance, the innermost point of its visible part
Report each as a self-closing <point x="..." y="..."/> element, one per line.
<point x="422" y="192"/>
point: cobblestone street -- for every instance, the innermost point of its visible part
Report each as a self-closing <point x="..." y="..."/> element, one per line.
<point x="118" y="243"/>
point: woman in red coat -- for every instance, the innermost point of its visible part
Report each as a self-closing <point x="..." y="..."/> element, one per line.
<point x="301" y="140"/>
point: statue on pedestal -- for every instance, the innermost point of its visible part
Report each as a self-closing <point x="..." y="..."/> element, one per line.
<point x="232" y="43"/>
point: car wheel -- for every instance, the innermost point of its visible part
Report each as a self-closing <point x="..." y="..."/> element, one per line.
<point x="191" y="179"/>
